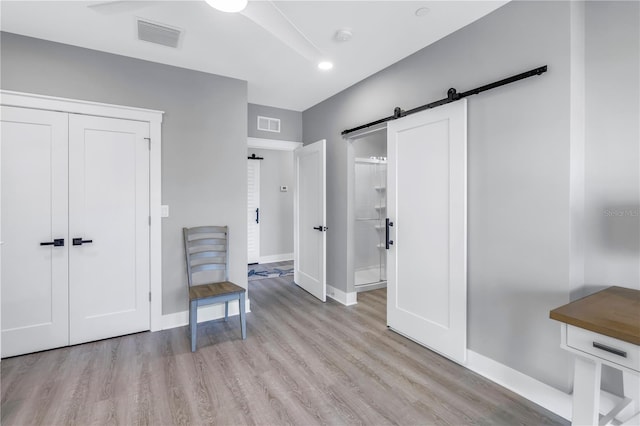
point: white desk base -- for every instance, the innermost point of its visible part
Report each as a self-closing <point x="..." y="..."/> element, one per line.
<point x="587" y="375"/>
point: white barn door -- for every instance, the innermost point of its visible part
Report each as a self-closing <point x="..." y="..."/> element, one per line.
<point x="427" y="193"/>
<point x="33" y="154"/>
<point x="109" y="227"/>
<point x="253" y="211"/>
<point x="309" y="219"/>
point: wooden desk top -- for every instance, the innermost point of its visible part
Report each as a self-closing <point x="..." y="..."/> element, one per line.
<point x="614" y="312"/>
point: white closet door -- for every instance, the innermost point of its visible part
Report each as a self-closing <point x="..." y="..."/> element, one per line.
<point x="253" y="211"/>
<point x="109" y="210"/>
<point x="427" y="193"/>
<point x="33" y="152"/>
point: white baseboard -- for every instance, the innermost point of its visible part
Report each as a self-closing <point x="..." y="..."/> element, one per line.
<point x="347" y="299"/>
<point x="205" y="313"/>
<point x="276" y="258"/>
<point x="544" y="395"/>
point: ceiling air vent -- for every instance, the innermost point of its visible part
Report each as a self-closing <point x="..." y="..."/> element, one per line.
<point x="158" y="34"/>
<point x="269" y="124"/>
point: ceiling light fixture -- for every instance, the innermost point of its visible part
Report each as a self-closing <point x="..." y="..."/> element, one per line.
<point x="230" y="6"/>
<point x="343" y="35"/>
<point x="325" y="65"/>
<point x="422" y="11"/>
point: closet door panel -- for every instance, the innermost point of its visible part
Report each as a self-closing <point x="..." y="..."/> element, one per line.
<point x="33" y="152"/>
<point x="109" y="213"/>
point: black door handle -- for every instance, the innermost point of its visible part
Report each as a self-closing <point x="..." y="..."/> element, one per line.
<point x="80" y="241"/>
<point x="320" y="228"/>
<point x="388" y="242"/>
<point x="58" y="242"/>
<point x="258" y="215"/>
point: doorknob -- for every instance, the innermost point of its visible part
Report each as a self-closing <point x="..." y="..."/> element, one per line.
<point x="387" y="225"/>
<point x="58" y="242"/>
<point x="320" y="228"/>
<point x="80" y="241"/>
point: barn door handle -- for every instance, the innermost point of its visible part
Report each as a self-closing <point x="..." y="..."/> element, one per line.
<point x="387" y="224"/>
<point x="58" y="242"/>
<point x="258" y="215"/>
<point x="80" y="241"/>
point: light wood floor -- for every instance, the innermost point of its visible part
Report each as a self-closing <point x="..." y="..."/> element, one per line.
<point x="303" y="363"/>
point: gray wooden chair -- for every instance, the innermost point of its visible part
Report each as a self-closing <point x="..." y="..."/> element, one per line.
<point x="206" y="251"/>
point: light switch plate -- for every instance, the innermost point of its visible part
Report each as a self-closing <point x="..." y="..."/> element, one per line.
<point x="164" y="210"/>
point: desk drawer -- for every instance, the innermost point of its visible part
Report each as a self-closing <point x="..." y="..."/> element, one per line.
<point x="607" y="348"/>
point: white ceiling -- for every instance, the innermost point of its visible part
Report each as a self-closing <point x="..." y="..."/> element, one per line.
<point x="233" y="45"/>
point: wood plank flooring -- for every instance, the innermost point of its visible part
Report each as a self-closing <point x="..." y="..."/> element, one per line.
<point x="303" y="363"/>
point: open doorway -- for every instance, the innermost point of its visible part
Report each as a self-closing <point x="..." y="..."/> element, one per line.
<point x="270" y="208"/>
<point x="370" y="182"/>
<point x="368" y="154"/>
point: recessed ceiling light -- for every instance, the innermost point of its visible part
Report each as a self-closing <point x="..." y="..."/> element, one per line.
<point x="228" y="5"/>
<point x="422" y="11"/>
<point x="325" y="65"/>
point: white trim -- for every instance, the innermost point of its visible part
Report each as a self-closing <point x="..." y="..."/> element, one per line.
<point x="154" y="118"/>
<point x="285" y="257"/>
<point x="544" y="395"/>
<point x="205" y="313"/>
<point x="535" y="391"/>
<point x="34" y="101"/>
<point x="274" y="144"/>
<point x="155" y="230"/>
<point x="347" y="299"/>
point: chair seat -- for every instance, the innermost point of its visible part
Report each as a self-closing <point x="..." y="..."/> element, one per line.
<point x="205" y="291"/>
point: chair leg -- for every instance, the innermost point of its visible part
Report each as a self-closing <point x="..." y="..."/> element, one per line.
<point x="226" y="311"/>
<point x="243" y="321"/>
<point x="193" y="323"/>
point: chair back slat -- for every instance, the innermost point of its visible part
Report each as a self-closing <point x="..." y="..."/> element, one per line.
<point x="208" y="267"/>
<point x="212" y="256"/>
<point x="213" y="242"/>
<point x="206" y="249"/>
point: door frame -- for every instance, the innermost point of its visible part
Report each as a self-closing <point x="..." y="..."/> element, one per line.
<point x="154" y="118"/>
<point x="271" y="145"/>
<point x="352" y="294"/>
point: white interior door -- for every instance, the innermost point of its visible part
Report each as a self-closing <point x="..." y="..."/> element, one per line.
<point x="309" y="227"/>
<point x="427" y="287"/>
<point x="109" y="214"/>
<point x="253" y="211"/>
<point x="33" y="153"/>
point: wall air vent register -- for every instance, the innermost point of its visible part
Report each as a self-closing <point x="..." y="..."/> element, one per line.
<point x="153" y="32"/>
<point x="269" y="124"/>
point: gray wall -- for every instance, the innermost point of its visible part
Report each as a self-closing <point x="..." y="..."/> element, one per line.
<point x="371" y="145"/>
<point x="276" y="208"/>
<point x="204" y="133"/>
<point x="612" y="178"/>
<point x="518" y="147"/>
<point x="290" y="123"/>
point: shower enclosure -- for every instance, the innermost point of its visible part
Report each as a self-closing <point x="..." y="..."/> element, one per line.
<point x="370" y="212"/>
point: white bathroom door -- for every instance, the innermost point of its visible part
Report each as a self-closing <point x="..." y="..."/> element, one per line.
<point x="33" y="158"/>
<point x="427" y="198"/>
<point x="109" y="227"/>
<point x="253" y="211"/>
<point x="309" y="219"/>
